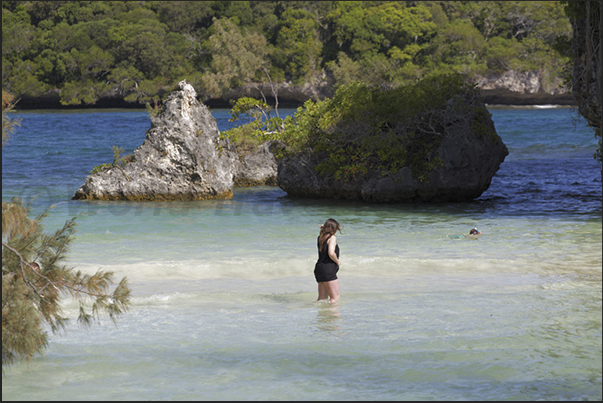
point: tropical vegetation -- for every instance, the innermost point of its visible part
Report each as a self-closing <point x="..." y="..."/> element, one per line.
<point x="137" y="50"/>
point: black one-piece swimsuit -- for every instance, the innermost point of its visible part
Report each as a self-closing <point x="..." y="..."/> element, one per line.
<point x="325" y="268"/>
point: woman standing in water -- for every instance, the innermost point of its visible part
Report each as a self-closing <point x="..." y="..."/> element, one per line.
<point x="327" y="266"/>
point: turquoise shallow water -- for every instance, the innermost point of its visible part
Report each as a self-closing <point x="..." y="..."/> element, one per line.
<point x="223" y="305"/>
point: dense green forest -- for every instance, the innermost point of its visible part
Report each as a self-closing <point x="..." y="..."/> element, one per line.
<point x="137" y="50"/>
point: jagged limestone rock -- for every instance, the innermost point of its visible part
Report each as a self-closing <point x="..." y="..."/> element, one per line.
<point x="523" y="88"/>
<point x="182" y="158"/>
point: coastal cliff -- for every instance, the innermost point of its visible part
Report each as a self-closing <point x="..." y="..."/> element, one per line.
<point x="509" y="88"/>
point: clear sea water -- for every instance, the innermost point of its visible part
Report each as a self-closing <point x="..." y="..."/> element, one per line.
<point x="224" y="296"/>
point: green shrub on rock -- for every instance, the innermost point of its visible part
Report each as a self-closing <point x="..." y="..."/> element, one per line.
<point x="364" y="129"/>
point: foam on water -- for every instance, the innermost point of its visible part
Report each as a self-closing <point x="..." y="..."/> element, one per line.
<point x="491" y="337"/>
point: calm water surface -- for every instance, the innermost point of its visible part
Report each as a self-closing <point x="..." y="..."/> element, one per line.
<point x="223" y="305"/>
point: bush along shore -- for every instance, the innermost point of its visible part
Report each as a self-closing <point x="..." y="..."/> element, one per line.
<point x="495" y="90"/>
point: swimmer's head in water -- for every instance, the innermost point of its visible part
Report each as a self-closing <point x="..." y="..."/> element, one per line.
<point x="474" y="231"/>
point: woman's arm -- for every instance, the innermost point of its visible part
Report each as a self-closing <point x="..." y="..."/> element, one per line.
<point x="332" y="242"/>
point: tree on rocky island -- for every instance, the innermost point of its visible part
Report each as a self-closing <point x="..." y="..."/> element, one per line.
<point x="433" y="141"/>
<point x="35" y="279"/>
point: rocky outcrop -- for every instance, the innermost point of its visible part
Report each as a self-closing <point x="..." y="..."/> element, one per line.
<point x="470" y="151"/>
<point x="182" y="158"/>
<point x="257" y="167"/>
<point x="507" y="88"/>
<point x="523" y="88"/>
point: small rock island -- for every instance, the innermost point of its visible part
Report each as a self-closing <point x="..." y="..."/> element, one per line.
<point x="448" y="153"/>
<point x="400" y="145"/>
<point x="182" y="158"/>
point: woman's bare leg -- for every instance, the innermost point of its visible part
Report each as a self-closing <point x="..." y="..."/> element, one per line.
<point x="332" y="288"/>
<point x="322" y="292"/>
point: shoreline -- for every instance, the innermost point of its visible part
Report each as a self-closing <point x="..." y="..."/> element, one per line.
<point x="543" y="106"/>
<point x="94" y="108"/>
<point x="492" y="98"/>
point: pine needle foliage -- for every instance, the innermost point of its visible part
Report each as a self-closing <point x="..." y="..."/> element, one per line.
<point x="35" y="280"/>
<point x="8" y="124"/>
<point x="31" y="296"/>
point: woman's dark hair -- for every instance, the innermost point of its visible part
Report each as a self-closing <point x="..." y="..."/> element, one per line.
<point x="330" y="227"/>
